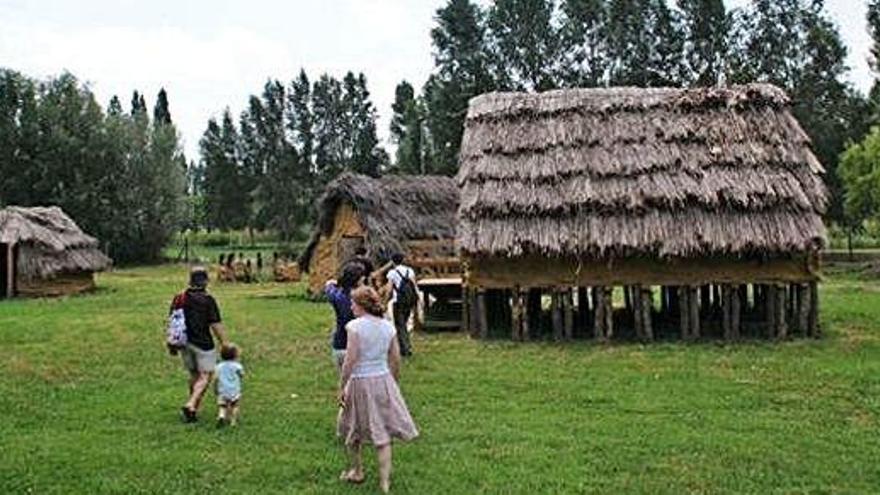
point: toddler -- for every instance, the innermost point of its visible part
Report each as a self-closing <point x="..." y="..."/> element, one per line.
<point x="229" y="374"/>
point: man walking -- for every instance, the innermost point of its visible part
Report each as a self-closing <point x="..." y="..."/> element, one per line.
<point x="202" y="318"/>
<point x="403" y="299"/>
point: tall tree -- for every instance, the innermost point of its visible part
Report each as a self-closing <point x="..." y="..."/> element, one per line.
<point x="874" y="61"/>
<point x="527" y="42"/>
<point x="706" y="25"/>
<point x="584" y="37"/>
<point x="646" y="43"/>
<point x="407" y="124"/>
<point x="462" y="71"/>
<point x="161" y="111"/>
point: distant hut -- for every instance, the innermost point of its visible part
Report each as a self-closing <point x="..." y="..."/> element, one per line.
<point x="44" y="253"/>
<point x="703" y="205"/>
<point x="415" y="215"/>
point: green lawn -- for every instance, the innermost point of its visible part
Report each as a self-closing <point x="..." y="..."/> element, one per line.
<point x="90" y="401"/>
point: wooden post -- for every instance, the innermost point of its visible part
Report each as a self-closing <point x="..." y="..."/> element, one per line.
<point x="516" y="312"/>
<point x="568" y="313"/>
<point x="705" y="299"/>
<point x="465" y="310"/>
<point x="694" y="319"/>
<point x="770" y="301"/>
<point x="736" y="305"/>
<point x="599" y="308"/>
<point x="815" y="330"/>
<point x="609" y="312"/>
<point x="535" y="312"/>
<point x="556" y="314"/>
<point x="482" y="317"/>
<point x="636" y="310"/>
<point x="781" y="313"/>
<point x="726" y="300"/>
<point x="524" y="315"/>
<point x="803" y="318"/>
<point x="743" y="296"/>
<point x="647" y="304"/>
<point x="684" y="311"/>
<point x="717" y="298"/>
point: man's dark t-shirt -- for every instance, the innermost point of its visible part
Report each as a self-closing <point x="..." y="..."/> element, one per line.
<point x="200" y="311"/>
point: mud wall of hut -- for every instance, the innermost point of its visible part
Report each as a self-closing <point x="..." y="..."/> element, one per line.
<point x="325" y="261"/>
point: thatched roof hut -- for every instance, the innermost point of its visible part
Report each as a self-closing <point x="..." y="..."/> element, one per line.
<point x="43" y="252"/>
<point x="415" y="215"/>
<point x="639" y="187"/>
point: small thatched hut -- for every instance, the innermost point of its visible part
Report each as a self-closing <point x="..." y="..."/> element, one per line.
<point x="44" y="253"/>
<point x="414" y="215"/>
<point x="703" y="205"/>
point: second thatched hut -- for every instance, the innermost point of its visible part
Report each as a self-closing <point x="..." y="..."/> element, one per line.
<point x="702" y="207"/>
<point x="44" y="253"/>
<point x="415" y="215"/>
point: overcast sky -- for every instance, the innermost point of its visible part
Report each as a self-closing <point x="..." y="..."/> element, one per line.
<point x="210" y="54"/>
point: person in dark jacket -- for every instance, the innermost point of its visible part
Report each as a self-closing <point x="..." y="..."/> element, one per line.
<point x="339" y="295"/>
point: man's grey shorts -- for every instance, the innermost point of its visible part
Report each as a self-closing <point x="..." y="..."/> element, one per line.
<point x="196" y="360"/>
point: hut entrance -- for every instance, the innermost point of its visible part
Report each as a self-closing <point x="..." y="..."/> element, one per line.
<point x="347" y="246"/>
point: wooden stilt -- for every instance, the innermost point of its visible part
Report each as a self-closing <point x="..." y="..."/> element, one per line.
<point x="482" y="316"/>
<point x="466" y="311"/>
<point x="717" y="298"/>
<point x="815" y="330"/>
<point x="743" y="295"/>
<point x="694" y="320"/>
<point x="736" y="305"/>
<point x="726" y="302"/>
<point x="567" y="314"/>
<point x="646" y="306"/>
<point x="684" y="310"/>
<point x="635" y="310"/>
<point x="524" y="315"/>
<point x="770" y="301"/>
<point x="803" y="317"/>
<point x="781" y="312"/>
<point x="705" y="299"/>
<point x="627" y="298"/>
<point x="516" y="312"/>
<point x="556" y="314"/>
<point x="608" y="301"/>
<point x="535" y="313"/>
<point x="599" y="313"/>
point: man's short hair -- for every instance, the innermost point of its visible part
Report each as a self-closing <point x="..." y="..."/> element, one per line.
<point x="198" y="277"/>
<point x="397" y="258"/>
<point x="361" y="251"/>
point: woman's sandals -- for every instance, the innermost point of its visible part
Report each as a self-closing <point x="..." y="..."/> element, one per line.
<point x="351" y="476"/>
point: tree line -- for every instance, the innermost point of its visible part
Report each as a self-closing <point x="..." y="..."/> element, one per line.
<point x="119" y="174"/>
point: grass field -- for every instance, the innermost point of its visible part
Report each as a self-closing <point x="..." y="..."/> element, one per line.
<point x="90" y="399"/>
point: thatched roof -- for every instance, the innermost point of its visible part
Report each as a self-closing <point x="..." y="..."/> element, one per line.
<point x="391" y="209"/>
<point x="51" y="242"/>
<point x="615" y="172"/>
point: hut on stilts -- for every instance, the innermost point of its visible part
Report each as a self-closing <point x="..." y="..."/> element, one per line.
<point x="44" y="253"/>
<point x="641" y="213"/>
<point x="414" y="215"/>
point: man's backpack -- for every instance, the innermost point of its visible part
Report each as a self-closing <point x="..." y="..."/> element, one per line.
<point x="407" y="297"/>
<point x="175" y="331"/>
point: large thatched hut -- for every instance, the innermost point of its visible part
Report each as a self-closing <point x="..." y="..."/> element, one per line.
<point x="702" y="207"/>
<point x="44" y="253"/>
<point x="414" y="215"/>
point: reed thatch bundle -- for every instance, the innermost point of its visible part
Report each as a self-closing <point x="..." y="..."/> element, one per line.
<point x="627" y="171"/>
<point x="392" y="210"/>
<point x="50" y="243"/>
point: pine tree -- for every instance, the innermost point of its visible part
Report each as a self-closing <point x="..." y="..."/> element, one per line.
<point x="462" y="71"/>
<point x="526" y="41"/>
<point x="407" y="124"/>
<point x="646" y="44"/>
<point x="707" y="26"/>
<point x="161" y="111"/>
<point x="114" y="107"/>
<point x="584" y="38"/>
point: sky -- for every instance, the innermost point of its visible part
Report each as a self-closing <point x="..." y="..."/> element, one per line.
<point x="210" y="54"/>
